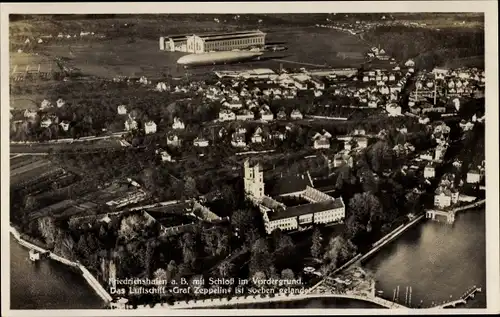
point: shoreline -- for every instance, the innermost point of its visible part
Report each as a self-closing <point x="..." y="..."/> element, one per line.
<point x="216" y="302"/>
<point x="89" y="278"/>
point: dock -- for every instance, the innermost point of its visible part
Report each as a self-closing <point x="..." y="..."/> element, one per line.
<point x="470" y="293"/>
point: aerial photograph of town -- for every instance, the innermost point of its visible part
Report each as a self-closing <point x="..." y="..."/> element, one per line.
<point x="247" y="161"/>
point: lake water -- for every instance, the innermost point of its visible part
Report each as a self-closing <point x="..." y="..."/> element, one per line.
<point x="434" y="259"/>
<point x="46" y="284"/>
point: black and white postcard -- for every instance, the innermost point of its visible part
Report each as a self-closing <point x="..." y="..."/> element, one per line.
<point x="201" y="158"/>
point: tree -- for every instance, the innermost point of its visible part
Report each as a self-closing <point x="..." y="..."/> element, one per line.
<point x="225" y="268"/>
<point x="128" y="227"/>
<point x="31" y="203"/>
<point x="47" y="228"/>
<point x="287" y="274"/>
<point x="222" y="243"/>
<point x="64" y="245"/>
<point x="188" y="246"/>
<point x="258" y="277"/>
<point x="190" y="187"/>
<point x="363" y="209"/>
<point x="171" y="270"/>
<point x="260" y="258"/>
<point x="209" y="238"/>
<point x="285" y="246"/>
<point x="338" y="251"/>
<point x="160" y="275"/>
<point x="316" y="243"/>
<point x="83" y="248"/>
<point x="380" y="155"/>
<point x="242" y="218"/>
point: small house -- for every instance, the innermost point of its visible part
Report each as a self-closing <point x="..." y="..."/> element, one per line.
<point x="296" y="115"/>
<point x="178" y="124"/>
<point x="122" y="110"/>
<point x="200" y="142"/>
<point x="130" y="124"/>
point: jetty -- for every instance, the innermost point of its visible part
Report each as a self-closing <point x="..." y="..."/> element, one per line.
<point x="450" y="215"/>
<point x="470" y="293"/>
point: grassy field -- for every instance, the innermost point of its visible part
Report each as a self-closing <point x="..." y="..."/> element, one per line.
<point x="142" y="57"/>
<point x="131" y="44"/>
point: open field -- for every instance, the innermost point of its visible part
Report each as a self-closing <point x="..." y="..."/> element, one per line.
<point x="31" y="63"/>
<point x="473" y="61"/>
<point x="319" y="46"/>
<point x="142" y="57"/>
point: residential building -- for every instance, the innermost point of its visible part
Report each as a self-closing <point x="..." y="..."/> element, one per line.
<point x="149" y="127"/>
<point x="233" y="103"/>
<point x="165" y="156"/>
<point x="60" y="103"/>
<point x="281" y="115"/>
<point x="359" y="132"/>
<point x="122" y="109"/>
<point x="130" y="124"/>
<point x="227" y="115"/>
<point x="321" y="143"/>
<point x="245" y="115"/>
<point x="64" y="125"/>
<point x="238" y="140"/>
<point x="427" y="156"/>
<point x="362" y="142"/>
<point x="341" y="158"/>
<point x="45" y="104"/>
<point x="266" y="115"/>
<point x="442" y="197"/>
<point x="429" y="171"/>
<point x="45" y="122"/>
<point x="393" y="110"/>
<point x="257" y="136"/>
<point x="30" y="114"/>
<point x="200" y="142"/>
<point x="410" y="63"/>
<point x="173" y="140"/>
<point x="296" y="115"/>
<point x="178" y="124"/>
<point x="222" y="132"/>
<point x="473" y="176"/>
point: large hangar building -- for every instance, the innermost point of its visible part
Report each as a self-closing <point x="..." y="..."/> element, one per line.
<point x="202" y="43"/>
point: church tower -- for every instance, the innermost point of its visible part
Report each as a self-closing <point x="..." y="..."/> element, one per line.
<point x="253" y="180"/>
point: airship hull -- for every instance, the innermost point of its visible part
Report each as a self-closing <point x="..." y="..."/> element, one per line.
<point x="217" y="58"/>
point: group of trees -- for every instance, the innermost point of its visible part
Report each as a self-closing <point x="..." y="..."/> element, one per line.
<point x="438" y="45"/>
<point x="271" y="255"/>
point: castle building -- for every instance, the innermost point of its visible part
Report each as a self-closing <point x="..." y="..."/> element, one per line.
<point x="316" y="207"/>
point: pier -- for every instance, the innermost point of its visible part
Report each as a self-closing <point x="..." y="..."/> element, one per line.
<point x="450" y="214"/>
<point x="470" y="293"/>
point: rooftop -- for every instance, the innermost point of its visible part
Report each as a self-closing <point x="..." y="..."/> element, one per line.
<point x="306" y="209"/>
<point x="289" y="184"/>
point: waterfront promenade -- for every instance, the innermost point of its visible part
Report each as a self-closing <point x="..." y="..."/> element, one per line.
<point x="375" y="247"/>
<point x="255" y="299"/>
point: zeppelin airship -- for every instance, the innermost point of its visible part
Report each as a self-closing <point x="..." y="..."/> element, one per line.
<point x="218" y="58"/>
